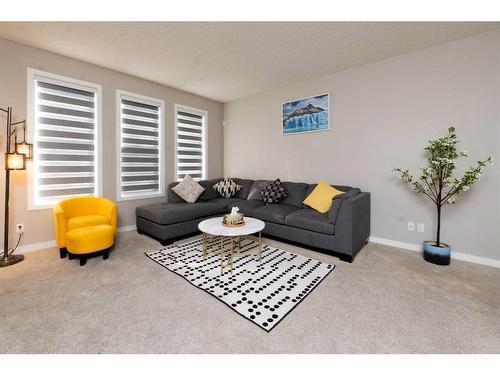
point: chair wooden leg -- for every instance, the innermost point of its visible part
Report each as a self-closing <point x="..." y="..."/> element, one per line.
<point x="70" y="256"/>
<point x="83" y="260"/>
<point x="105" y="254"/>
<point x="62" y="252"/>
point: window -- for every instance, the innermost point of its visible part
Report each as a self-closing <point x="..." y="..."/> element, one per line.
<point x="64" y="123"/>
<point x="140" y="148"/>
<point x="190" y="142"/>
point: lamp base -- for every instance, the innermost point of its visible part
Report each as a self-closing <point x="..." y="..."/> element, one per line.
<point x="11" y="260"/>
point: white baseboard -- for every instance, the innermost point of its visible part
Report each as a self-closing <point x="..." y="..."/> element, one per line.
<point x="35" y="246"/>
<point x="49" y="244"/>
<point x="382" y="241"/>
<point x="401" y="245"/>
<point x="454" y="254"/>
<point x="128" y="228"/>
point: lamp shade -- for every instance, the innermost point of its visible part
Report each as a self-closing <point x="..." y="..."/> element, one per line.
<point x="15" y="161"/>
<point x="26" y="149"/>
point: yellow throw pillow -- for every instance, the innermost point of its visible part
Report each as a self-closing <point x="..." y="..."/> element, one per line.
<point x="321" y="197"/>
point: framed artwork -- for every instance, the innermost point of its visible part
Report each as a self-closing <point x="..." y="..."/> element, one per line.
<point x="306" y="115"/>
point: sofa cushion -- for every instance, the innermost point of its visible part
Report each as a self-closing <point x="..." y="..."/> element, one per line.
<point x="256" y="188"/>
<point x="274" y="192"/>
<point x="227" y="188"/>
<point x="188" y="189"/>
<point x="171" y="213"/>
<point x="309" y="219"/>
<point x="90" y="239"/>
<point x="275" y="213"/>
<point x="209" y="192"/>
<point x="245" y="187"/>
<point x="246" y="206"/>
<point x="296" y="193"/>
<point x="225" y="202"/>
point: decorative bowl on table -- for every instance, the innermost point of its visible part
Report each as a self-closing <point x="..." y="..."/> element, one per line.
<point x="233" y="220"/>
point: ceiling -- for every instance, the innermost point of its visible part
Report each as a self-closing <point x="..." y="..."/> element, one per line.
<point x="225" y="61"/>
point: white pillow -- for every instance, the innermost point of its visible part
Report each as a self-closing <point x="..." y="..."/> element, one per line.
<point x="188" y="189"/>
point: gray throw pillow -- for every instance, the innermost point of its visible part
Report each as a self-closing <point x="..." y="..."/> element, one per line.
<point x="188" y="189"/>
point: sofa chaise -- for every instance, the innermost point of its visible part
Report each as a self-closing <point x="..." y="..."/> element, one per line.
<point x="342" y="231"/>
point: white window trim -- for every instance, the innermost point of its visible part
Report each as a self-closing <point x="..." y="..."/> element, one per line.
<point x="30" y="127"/>
<point x="200" y="112"/>
<point x="161" y="135"/>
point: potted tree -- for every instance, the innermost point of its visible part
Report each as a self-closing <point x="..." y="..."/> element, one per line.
<point x="438" y="184"/>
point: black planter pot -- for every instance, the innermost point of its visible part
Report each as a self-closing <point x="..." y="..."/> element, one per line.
<point x="440" y="255"/>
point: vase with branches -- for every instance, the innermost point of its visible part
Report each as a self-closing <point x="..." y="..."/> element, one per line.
<point x="437" y="182"/>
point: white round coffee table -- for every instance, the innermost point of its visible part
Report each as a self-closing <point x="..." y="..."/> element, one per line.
<point x="214" y="227"/>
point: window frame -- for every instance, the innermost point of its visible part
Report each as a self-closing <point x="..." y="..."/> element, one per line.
<point x="161" y="140"/>
<point x="32" y="74"/>
<point x="204" y="128"/>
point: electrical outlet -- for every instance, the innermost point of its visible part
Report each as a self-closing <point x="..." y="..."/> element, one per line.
<point x="411" y="225"/>
<point x="19" y="228"/>
<point x="420" y="227"/>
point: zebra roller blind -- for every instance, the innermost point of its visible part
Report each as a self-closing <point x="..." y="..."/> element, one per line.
<point x="190" y="158"/>
<point x="140" y="147"/>
<point x="65" y="137"/>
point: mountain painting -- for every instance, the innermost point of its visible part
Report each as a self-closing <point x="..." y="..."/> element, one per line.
<point x="306" y="115"/>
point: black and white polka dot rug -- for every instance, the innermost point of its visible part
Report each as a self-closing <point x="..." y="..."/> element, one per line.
<point x="264" y="292"/>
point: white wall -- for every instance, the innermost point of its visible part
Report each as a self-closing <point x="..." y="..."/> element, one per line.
<point x="382" y="114"/>
<point x="16" y="58"/>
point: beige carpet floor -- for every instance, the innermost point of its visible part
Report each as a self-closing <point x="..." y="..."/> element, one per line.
<point x="387" y="301"/>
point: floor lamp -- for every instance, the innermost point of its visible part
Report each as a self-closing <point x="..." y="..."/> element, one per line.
<point x="13" y="161"/>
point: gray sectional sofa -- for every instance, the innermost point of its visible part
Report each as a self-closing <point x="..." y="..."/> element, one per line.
<point x="342" y="231"/>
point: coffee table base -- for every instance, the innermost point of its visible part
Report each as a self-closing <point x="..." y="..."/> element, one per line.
<point x="233" y="251"/>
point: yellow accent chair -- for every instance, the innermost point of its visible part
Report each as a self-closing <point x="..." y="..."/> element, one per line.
<point x="85" y="225"/>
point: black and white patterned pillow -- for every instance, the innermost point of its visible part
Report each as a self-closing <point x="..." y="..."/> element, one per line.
<point x="274" y="192"/>
<point x="227" y="188"/>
